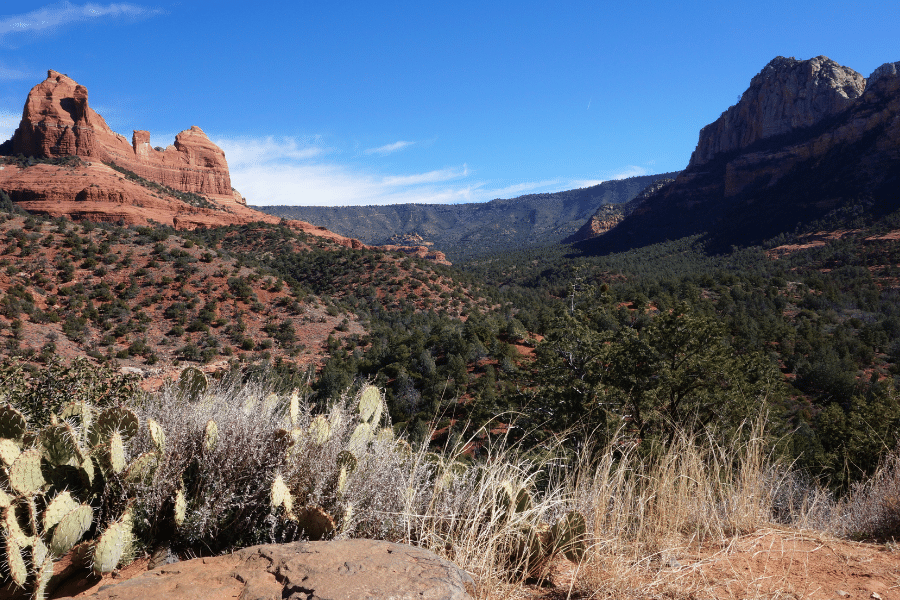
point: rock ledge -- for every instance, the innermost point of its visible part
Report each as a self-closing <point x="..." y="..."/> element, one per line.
<point x="358" y="569"/>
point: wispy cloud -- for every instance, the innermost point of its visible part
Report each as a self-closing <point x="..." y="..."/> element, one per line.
<point x="389" y="148"/>
<point x="58" y="15"/>
<point x="630" y="171"/>
<point x="245" y="151"/>
<point x="429" y="177"/>
<point x="288" y="171"/>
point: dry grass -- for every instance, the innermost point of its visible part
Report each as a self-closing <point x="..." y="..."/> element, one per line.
<point x="667" y="527"/>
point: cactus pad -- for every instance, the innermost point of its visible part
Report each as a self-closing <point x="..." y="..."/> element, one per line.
<point x="58" y="508"/>
<point x="346" y="460"/>
<point x="142" y="468"/>
<point x="294" y="409"/>
<point x="25" y="473"/>
<point x="157" y="435"/>
<point x="42" y="578"/>
<point x="385" y="434"/>
<point x="361" y="437"/>
<point x="180" y="508"/>
<point x="568" y="536"/>
<point x="5" y="499"/>
<point x="315" y="523"/>
<point x="111" y="420"/>
<point x="60" y="445"/>
<point x="116" y="453"/>
<point x="112" y="545"/>
<point x="9" y="451"/>
<point x="281" y="495"/>
<point x="343" y="477"/>
<point x="71" y="529"/>
<point x="79" y="414"/>
<point x="370" y="405"/>
<point x="210" y="436"/>
<point x="193" y="383"/>
<point x="18" y="571"/>
<point x="12" y="423"/>
<point x="319" y="430"/>
<point x="12" y="520"/>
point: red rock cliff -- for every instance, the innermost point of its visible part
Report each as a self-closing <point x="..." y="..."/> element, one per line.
<point x="57" y="121"/>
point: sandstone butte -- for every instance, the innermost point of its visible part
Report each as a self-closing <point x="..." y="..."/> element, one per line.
<point x="58" y="122"/>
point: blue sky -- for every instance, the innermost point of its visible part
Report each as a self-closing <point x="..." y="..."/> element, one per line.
<point x="326" y="103"/>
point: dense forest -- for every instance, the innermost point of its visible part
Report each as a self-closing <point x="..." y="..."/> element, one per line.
<point x="647" y="341"/>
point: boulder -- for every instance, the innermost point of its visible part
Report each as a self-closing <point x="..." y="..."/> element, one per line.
<point x="335" y="570"/>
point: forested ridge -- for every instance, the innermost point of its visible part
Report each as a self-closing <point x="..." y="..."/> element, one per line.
<point x="472" y="229"/>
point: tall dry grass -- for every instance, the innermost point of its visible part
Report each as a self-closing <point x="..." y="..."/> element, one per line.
<point x="641" y="512"/>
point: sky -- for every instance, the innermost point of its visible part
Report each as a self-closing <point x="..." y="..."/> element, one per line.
<point x="361" y="103"/>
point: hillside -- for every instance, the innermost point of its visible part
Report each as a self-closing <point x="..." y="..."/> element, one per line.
<point x="465" y="230"/>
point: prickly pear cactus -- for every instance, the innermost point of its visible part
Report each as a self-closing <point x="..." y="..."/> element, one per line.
<point x="157" y="435"/>
<point x="568" y="536"/>
<point x="315" y="523"/>
<point x="111" y="420"/>
<point x="113" y="545"/>
<point x="71" y="529"/>
<point x="25" y="475"/>
<point x="12" y="423"/>
<point x="193" y="383"/>
<point x="210" y="436"/>
<point x="360" y="438"/>
<point x="370" y="405"/>
<point x="319" y="430"/>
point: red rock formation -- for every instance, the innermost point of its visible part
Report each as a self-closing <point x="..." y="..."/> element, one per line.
<point x="57" y="121"/>
<point x="435" y="256"/>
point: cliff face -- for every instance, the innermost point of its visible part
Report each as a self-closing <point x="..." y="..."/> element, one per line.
<point x="806" y="137"/>
<point x="57" y="121"/>
<point x="786" y="95"/>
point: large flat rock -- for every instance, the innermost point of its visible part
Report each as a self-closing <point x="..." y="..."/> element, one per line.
<point x="336" y="570"/>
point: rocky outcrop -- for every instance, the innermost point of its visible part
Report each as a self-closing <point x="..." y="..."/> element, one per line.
<point x="57" y="121"/>
<point x="786" y="95"/>
<point x="610" y="215"/>
<point x="363" y="569"/>
<point x="424" y="252"/>
<point x="804" y="140"/>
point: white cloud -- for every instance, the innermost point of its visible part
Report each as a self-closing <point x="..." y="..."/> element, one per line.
<point x="53" y="16"/>
<point x="335" y="185"/>
<point x="8" y="123"/>
<point x="254" y="151"/>
<point x="389" y="148"/>
<point x="518" y="189"/>
<point x="287" y="171"/>
<point x="630" y="171"/>
<point x="429" y="177"/>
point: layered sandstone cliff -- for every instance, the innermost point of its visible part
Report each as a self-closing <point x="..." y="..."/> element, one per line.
<point x="786" y="95"/>
<point x="57" y="121"/>
<point x="807" y="136"/>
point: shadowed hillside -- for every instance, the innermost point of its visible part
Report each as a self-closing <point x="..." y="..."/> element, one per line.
<point x="466" y="230"/>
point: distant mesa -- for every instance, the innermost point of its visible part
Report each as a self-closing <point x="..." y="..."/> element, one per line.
<point x="57" y="121"/>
